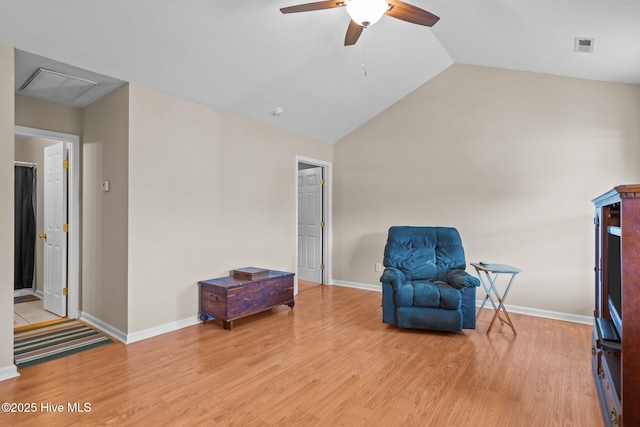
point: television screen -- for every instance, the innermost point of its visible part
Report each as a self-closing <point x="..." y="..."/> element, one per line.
<point x="614" y="280"/>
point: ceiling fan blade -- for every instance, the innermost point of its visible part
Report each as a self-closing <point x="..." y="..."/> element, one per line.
<point x="415" y="15"/>
<point x="307" y="7"/>
<point x="353" y="33"/>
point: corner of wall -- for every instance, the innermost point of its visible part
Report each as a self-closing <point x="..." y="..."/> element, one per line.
<point x="7" y="114"/>
<point x="105" y="157"/>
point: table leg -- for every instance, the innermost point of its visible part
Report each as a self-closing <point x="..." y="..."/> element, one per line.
<point x="492" y="283"/>
<point x="487" y="291"/>
<point x="501" y="304"/>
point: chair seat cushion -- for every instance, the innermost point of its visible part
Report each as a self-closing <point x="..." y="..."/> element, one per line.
<point x="423" y="293"/>
<point x="426" y="294"/>
<point x="450" y="298"/>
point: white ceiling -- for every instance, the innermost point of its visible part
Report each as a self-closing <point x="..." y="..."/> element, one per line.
<point x="245" y="57"/>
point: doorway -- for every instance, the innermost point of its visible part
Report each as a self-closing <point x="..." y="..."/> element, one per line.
<point x="313" y="222"/>
<point x="69" y="264"/>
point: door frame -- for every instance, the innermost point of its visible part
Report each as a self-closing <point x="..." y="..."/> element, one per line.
<point x="326" y="214"/>
<point x="73" y="198"/>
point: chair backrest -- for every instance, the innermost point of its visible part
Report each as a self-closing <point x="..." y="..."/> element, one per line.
<point x="424" y="252"/>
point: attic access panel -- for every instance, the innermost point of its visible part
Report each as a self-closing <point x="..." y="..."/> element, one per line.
<point x="55" y="86"/>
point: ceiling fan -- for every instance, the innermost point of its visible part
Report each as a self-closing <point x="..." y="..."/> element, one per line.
<point x="364" y="13"/>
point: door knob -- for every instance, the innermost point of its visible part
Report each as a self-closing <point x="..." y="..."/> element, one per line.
<point x="43" y="236"/>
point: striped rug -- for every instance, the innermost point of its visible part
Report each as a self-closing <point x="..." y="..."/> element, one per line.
<point x="53" y="341"/>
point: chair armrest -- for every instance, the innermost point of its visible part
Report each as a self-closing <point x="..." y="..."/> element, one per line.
<point x="394" y="277"/>
<point x="461" y="279"/>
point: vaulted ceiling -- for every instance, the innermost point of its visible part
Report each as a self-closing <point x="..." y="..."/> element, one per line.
<point x="247" y="58"/>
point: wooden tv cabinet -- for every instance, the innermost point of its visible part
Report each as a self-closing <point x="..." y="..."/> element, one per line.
<point x="229" y="298"/>
<point x="616" y="365"/>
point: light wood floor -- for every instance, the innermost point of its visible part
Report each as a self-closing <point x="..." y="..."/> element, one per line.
<point x="328" y="362"/>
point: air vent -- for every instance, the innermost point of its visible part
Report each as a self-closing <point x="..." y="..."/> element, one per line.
<point x="54" y="86"/>
<point x="583" y="45"/>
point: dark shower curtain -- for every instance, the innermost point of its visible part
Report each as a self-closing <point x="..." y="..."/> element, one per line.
<point x="25" y="227"/>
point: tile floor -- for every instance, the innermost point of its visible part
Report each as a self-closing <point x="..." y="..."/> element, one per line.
<point x="28" y="313"/>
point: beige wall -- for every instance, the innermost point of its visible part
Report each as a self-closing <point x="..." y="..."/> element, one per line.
<point x="31" y="150"/>
<point x="105" y="146"/>
<point x="208" y="192"/>
<point x="512" y="159"/>
<point x="39" y="114"/>
<point x="6" y="210"/>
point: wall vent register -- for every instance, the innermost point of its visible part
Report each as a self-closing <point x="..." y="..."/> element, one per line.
<point x="583" y="45"/>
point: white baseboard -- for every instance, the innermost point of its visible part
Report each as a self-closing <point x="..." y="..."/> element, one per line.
<point x="568" y="317"/>
<point x="575" y="318"/>
<point x="162" y="329"/>
<point x="7" y="372"/>
<point x="140" y="335"/>
<point x="104" y="327"/>
<point x="356" y="285"/>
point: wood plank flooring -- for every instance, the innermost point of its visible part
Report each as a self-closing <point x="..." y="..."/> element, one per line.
<point x="328" y="362"/>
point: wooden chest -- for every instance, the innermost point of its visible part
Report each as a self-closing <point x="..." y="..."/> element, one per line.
<point x="229" y="298"/>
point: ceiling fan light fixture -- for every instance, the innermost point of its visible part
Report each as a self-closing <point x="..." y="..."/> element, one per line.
<point x="366" y="12"/>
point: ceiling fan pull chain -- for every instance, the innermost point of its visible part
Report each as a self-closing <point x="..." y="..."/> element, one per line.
<point x="364" y="57"/>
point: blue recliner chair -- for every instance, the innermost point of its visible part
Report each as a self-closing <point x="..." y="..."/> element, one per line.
<point x="424" y="284"/>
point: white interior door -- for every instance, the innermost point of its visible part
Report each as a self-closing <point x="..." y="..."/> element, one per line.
<point x="309" y="225"/>
<point x="55" y="234"/>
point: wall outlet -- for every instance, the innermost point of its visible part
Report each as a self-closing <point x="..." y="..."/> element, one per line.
<point x="378" y="266"/>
